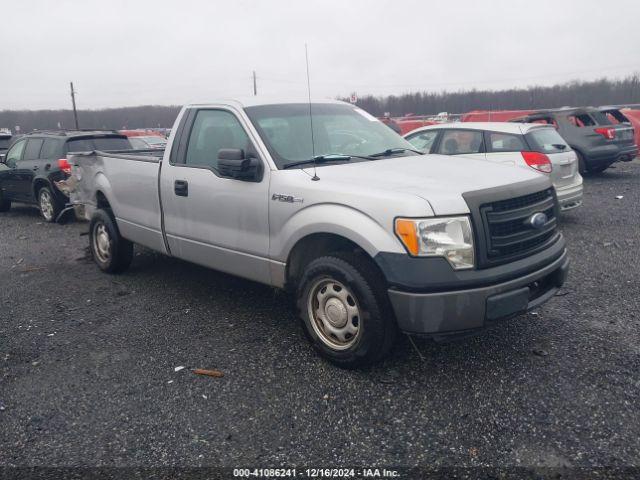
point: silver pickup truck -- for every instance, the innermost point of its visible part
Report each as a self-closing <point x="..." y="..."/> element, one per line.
<point x="322" y="199"/>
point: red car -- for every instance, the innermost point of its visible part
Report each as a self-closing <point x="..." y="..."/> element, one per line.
<point x="406" y="124"/>
<point x="494" y="116"/>
<point x="633" y="115"/>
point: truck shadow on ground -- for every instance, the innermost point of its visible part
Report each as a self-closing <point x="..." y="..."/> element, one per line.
<point x="260" y="312"/>
<point x="265" y="324"/>
<point x="22" y="210"/>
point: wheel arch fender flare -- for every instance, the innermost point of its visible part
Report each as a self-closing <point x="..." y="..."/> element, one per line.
<point x="38" y="183"/>
<point x="340" y="220"/>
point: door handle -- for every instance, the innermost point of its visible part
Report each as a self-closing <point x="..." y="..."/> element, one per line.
<point x="35" y="168"/>
<point x="181" y="188"/>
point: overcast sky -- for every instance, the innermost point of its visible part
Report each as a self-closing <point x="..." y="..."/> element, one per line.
<point x="121" y="53"/>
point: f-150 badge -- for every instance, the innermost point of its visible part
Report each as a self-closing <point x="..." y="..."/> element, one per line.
<point x="286" y="198"/>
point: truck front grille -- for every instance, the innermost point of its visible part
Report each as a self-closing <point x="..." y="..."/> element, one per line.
<point x="508" y="231"/>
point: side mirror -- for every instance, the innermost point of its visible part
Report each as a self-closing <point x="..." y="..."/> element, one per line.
<point x="233" y="163"/>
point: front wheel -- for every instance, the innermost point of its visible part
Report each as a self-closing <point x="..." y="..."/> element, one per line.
<point x="111" y="252"/>
<point x="345" y="311"/>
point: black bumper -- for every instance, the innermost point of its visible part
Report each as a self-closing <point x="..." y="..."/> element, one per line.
<point x="433" y="299"/>
<point x="616" y="154"/>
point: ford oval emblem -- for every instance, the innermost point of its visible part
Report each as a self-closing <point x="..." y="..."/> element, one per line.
<point x="537" y="220"/>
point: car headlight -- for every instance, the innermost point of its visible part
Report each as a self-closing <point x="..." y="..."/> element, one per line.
<point x="448" y="237"/>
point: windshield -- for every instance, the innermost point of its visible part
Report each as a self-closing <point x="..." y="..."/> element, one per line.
<point x="547" y="140"/>
<point x="337" y="129"/>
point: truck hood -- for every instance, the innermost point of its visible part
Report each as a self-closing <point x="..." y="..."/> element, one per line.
<point x="440" y="180"/>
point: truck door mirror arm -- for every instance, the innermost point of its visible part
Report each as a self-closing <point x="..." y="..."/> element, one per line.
<point x="234" y="163"/>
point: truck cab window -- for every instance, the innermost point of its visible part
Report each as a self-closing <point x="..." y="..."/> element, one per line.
<point x="213" y="130"/>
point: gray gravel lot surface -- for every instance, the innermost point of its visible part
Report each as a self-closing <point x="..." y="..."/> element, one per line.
<point x="87" y="364"/>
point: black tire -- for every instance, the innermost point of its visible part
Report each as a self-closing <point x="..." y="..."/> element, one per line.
<point x="111" y="252"/>
<point x="582" y="165"/>
<point x="49" y="205"/>
<point x="5" y="203"/>
<point x="365" y="286"/>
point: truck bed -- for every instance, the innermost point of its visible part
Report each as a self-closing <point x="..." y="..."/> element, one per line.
<point x="129" y="182"/>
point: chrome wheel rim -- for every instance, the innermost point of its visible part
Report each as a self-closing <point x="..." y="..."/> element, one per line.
<point x="334" y="313"/>
<point x="101" y="243"/>
<point x="46" y="205"/>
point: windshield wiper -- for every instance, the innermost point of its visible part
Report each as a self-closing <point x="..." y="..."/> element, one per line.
<point x="559" y="146"/>
<point x="392" y="151"/>
<point x="329" y="157"/>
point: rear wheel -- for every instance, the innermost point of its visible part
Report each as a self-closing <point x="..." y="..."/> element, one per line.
<point x="582" y="165"/>
<point x="345" y="311"/>
<point x="50" y="208"/>
<point x="111" y="252"/>
<point x="5" y="203"/>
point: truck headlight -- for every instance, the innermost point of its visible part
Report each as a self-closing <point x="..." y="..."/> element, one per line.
<point x="448" y="237"/>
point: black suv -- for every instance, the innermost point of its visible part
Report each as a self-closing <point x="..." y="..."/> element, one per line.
<point x="37" y="160"/>
<point x="596" y="139"/>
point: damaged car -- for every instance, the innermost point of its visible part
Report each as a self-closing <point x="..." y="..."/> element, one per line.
<point x="36" y="163"/>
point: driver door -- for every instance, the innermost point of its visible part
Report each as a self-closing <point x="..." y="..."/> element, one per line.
<point x="209" y="219"/>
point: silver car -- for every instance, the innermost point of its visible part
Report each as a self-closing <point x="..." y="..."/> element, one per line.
<point x="528" y="145"/>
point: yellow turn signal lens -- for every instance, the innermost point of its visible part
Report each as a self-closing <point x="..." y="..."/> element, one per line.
<point x="406" y="231"/>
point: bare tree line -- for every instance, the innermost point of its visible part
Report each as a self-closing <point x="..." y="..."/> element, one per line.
<point x="111" y="118"/>
<point x="576" y="93"/>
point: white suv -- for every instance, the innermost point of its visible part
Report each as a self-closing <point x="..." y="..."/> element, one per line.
<point x="528" y="145"/>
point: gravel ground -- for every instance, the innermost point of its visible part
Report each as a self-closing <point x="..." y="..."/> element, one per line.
<point x="87" y="364"/>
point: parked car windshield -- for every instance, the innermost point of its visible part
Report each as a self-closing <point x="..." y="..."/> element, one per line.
<point x="547" y="140"/>
<point x="337" y="130"/>
<point x="99" y="143"/>
<point x="112" y="143"/>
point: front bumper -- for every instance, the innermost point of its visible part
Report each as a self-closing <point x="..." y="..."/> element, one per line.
<point x="570" y="196"/>
<point x="459" y="311"/>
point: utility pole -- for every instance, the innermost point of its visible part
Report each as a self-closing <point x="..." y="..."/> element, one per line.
<point x="73" y="101"/>
<point x="255" y="85"/>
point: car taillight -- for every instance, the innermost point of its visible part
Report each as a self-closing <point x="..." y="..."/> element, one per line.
<point x="64" y="165"/>
<point x="608" y="133"/>
<point x="538" y="161"/>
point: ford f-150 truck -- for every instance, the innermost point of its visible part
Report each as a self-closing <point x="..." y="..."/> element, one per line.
<point x="324" y="200"/>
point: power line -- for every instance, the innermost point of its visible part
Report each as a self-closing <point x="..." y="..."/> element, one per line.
<point x="73" y="102"/>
